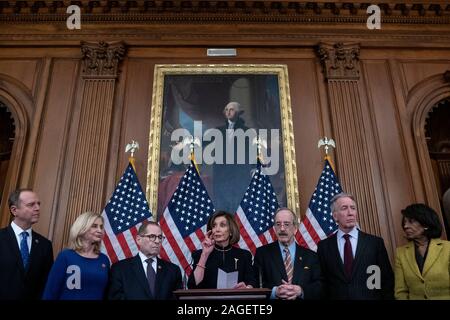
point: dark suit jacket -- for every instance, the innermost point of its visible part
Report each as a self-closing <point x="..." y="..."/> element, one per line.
<point x="15" y="282"/>
<point x="269" y="265"/>
<point x="230" y="181"/>
<point x="128" y="281"/>
<point x="370" y="250"/>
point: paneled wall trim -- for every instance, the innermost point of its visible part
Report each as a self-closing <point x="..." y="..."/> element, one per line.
<point x="100" y="70"/>
<point x="341" y="68"/>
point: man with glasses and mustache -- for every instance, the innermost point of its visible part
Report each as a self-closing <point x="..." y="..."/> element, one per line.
<point x="145" y="276"/>
<point x="292" y="272"/>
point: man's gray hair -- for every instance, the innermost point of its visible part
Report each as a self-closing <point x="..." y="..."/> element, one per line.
<point x="339" y="196"/>
<point x="295" y="218"/>
<point x="237" y="105"/>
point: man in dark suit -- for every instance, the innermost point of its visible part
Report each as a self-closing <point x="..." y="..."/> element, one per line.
<point x="25" y="256"/>
<point x="292" y="272"/>
<point x="145" y="276"/>
<point x="355" y="265"/>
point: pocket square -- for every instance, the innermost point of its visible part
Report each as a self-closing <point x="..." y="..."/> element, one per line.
<point x="306" y="268"/>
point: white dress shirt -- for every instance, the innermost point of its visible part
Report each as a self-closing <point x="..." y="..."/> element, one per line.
<point x="144" y="263"/>
<point x="17" y="231"/>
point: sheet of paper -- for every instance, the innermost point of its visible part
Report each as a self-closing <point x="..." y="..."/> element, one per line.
<point x="226" y="280"/>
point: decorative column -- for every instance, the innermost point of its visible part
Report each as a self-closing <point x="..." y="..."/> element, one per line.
<point x="100" y="71"/>
<point x="341" y="68"/>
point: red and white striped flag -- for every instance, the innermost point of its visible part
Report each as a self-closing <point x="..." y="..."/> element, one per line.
<point x="185" y="219"/>
<point x="256" y="211"/>
<point x="318" y="223"/>
<point x="123" y="215"/>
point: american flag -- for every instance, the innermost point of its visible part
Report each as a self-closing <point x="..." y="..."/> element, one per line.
<point x="123" y="215"/>
<point x="318" y="223"/>
<point x="256" y="211"/>
<point x="185" y="218"/>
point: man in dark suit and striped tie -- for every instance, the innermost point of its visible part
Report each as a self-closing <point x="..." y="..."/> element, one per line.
<point x="292" y="272"/>
<point x="354" y="264"/>
<point x="25" y="256"/>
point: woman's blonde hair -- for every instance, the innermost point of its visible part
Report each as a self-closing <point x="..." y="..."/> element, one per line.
<point x="81" y="225"/>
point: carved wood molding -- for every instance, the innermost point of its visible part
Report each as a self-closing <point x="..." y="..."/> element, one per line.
<point x="341" y="67"/>
<point x="101" y="59"/>
<point x="232" y="11"/>
<point x="93" y="135"/>
<point x="339" y="61"/>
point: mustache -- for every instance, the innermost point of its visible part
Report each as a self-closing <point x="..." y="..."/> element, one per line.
<point x="282" y="234"/>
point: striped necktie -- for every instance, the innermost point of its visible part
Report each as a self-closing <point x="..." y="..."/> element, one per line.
<point x="288" y="264"/>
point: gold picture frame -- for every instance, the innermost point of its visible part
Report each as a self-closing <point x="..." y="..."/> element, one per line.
<point x="218" y="76"/>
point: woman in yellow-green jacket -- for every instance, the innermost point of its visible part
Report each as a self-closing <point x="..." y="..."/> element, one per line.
<point x="422" y="266"/>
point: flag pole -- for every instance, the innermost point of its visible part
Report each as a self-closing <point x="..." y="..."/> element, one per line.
<point x="193" y="142"/>
<point x="131" y="148"/>
<point x="260" y="142"/>
<point x="327" y="144"/>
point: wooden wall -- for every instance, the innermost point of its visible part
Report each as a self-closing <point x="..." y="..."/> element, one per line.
<point x="400" y="78"/>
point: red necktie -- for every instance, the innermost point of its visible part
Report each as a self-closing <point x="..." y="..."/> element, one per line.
<point x="348" y="256"/>
<point x="288" y="265"/>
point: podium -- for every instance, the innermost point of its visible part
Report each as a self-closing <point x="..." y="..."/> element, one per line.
<point x="223" y="294"/>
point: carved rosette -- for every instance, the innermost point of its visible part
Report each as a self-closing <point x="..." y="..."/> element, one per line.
<point x="340" y="61"/>
<point x="101" y="59"/>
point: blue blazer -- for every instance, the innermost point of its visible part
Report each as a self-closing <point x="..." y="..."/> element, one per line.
<point x="15" y="281"/>
<point x="128" y="280"/>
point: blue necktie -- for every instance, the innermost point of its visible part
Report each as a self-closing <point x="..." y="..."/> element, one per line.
<point x="24" y="249"/>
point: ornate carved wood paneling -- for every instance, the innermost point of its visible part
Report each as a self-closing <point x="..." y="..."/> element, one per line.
<point x="341" y="68"/>
<point x="317" y="11"/>
<point x="100" y="62"/>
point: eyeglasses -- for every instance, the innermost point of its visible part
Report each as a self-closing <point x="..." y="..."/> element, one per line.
<point x="152" y="237"/>
<point x="284" y="224"/>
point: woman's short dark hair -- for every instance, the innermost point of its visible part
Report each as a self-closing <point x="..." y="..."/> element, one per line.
<point x="427" y="218"/>
<point x="234" y="229"/>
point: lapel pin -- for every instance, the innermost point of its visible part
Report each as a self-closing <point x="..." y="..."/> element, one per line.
<point x="159" y="267"/>
<point x="103" y="265"/>
<point x="300" y="258"/>
<point x="36" y="241"/>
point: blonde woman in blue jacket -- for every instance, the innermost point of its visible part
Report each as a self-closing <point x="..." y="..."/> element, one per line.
<point x="422" y="266"/>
